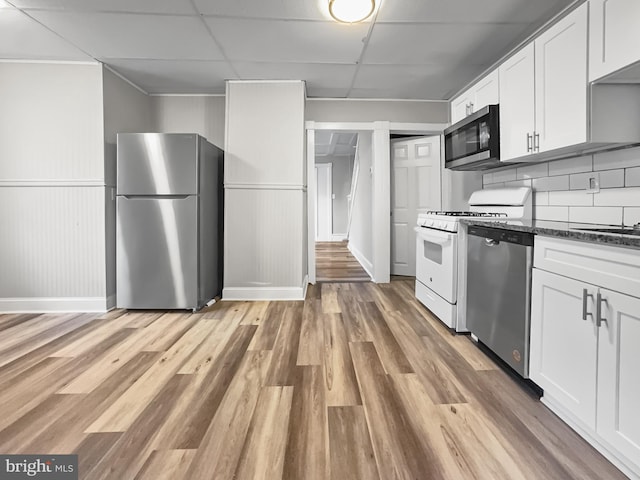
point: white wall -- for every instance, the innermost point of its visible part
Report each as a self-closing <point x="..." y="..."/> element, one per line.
<point x="264" y="191"/>
<point x="126" y="110"/>
<point x="457" y="187"/>
<point x="52" y="216"/>
<point x="204" y="115"/>
<point x="560" y="187"/>
<point x="341" y="169"/>
<point x="353" y="110"/>
<point x="360" y="235"/>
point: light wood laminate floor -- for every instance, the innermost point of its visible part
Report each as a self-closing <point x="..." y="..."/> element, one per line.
<point x="357" y="381"/>
<point x="335" y="263"/>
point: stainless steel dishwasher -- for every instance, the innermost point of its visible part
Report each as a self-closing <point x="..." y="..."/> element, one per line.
<point x="499" y="292"/>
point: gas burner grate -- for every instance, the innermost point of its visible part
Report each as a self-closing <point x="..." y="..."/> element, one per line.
<point x="467" y="214"/>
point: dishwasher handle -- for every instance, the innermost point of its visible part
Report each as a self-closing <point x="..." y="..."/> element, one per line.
<point x="490" y="242"/>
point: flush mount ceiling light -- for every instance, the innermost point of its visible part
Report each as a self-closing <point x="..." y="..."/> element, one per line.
<point x="351" y="11"/>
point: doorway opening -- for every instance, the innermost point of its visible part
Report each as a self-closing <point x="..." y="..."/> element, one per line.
<point x="378" y="173"/>
<point x="337" y="175"/>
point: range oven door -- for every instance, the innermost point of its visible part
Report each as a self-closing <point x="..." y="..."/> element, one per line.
<point x="437" y="261"/>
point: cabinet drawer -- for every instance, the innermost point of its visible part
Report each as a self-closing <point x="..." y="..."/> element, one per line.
<point x="615" y="268"/>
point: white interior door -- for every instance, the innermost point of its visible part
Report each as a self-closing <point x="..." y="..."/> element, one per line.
<point x="415" y="188"/>
<point x="324" y="215"/>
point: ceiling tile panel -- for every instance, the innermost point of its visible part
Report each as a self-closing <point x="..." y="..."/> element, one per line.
<point x="173" y="76"/>
<point x="282" y="9"/>
<point x="112" y="35"/>
<point x="23" y="38"/>
<point x="317" y="75"/>
<point x="139" y="6"/>
<point x="461" y="11"/>
<point x="440" y="43"/>
<point x="288" y="41"/>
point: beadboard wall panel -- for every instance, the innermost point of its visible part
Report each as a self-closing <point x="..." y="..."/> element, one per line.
<point x="51" y="122"/>
<point x="264" y="248"/>
<point x="264" y="239"/>
<point x="560" y="187"/>
<point x="264" y="133"/>
<point x="203" y="115"/>
<point x="52" y="243"/>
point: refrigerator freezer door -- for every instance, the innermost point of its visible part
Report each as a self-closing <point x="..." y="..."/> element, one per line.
<point x="157" y="164"/>
<point x="157" y="252"/>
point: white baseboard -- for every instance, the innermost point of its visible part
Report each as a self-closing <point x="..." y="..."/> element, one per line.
<point x="338" y="237"/>
<point x="266" y="293"/>
<point x="366" y="264"/>
<point x="55" y="304"/>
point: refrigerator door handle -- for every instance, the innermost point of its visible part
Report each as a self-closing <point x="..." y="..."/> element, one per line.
<point x="156" y="197"/>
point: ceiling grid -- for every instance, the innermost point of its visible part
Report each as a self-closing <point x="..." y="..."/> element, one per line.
<point x="409" y="49"/>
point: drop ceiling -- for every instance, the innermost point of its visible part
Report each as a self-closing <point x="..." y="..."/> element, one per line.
<point x="409" y="49"/>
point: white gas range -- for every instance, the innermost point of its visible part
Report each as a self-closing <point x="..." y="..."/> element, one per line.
<point x="441" y="248"/>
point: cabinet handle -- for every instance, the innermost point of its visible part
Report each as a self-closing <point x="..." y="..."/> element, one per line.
<point x="585" y="295"/>
<point x="599" y="317"/>
<point x="466" y="109"/>
<point x="529" y="144"/>
<point x="536" y="142"/>
<point x="470" y="108"/>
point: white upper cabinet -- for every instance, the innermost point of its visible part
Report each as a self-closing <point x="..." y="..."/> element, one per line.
<point x="484" y="92"/>
<point x="614" y="36"/>
<point x="460" y="106"/>
<point x="517" y="104"/>
<point x="487" y="91"/>
<point x="561" y="83"/>
<point x="544" y="91"/>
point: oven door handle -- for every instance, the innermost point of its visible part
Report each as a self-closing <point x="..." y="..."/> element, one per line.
<point x="433" y="236"/>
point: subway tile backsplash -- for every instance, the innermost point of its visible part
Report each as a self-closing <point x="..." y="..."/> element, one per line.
<point x="560" y="187"/>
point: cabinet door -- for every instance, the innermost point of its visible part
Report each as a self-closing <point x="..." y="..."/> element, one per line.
<point x="618" y="377"/>
<point x="460" y="107"/>
<point x="614" y="36"/>
<point x="517" y="103"/>
<point x="486" y="91"/>
<point x="561" y="83"/>
<point x="563" y="345"/>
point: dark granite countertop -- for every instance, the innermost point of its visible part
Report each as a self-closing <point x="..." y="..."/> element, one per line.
<point x="561" y="229"/>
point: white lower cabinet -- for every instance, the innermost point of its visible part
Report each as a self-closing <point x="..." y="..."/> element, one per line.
<point x="619" y="373"/>
<point x="564" y="347"/>
<point x="585" y="342"/>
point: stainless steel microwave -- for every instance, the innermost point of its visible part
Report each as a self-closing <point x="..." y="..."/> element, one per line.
<point x="474" y="142"/>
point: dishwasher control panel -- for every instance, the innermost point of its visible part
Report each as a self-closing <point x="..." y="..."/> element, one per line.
<point x="500" y="235"/>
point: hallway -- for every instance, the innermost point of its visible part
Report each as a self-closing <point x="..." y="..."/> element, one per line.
<point x="335" y="263"/>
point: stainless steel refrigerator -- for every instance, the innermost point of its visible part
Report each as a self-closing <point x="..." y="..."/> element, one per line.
<point x="169" y="221"/>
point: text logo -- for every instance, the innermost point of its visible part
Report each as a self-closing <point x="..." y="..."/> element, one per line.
<point x="40" y="467"/>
